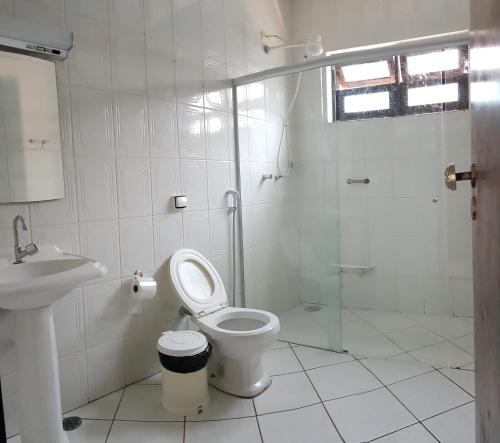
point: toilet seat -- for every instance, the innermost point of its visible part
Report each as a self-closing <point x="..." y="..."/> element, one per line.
<point x="247" y="322"/>
<point x="197" y="283"/>
<point x="201" y="290"/>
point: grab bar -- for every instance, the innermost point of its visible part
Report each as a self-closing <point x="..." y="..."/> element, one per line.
<point x="363" y="181"/>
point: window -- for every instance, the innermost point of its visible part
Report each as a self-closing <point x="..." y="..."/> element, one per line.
<point x="403" y="85"/>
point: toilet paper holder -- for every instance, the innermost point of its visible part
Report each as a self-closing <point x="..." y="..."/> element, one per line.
<point x="135" y="279"/>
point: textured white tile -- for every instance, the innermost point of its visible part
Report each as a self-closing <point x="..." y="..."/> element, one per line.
<point x="450" y="327"/>
<point x="196" y="231"/>
<point x="160" y="62"/>
<point x="143" y="403"/>
<point x="191" y="132"/>
<point x="89" y="64"/>
<point x="128" y="60"/>
<point x="95" y="9"/>
<point x="131" y="125"/>
<point x="224" y="406"/>
<point x="349" y="378"/>
<point x="314" y="358"/>
<point x="62" y="210"/>
<point x="105" y="366"/>
<point x="457" y="426"/>
<point x="257" y="145"/>
<point x="219" y="181"/>
<point x="466" y="343"/>
<point x="443" y="354"/>
<point x="136" y="245"/>
<point x="153" y="380"/>
<point x="220" y="233"/>
<point x="101" y="241"/>
<point x="65" y="237"/>
<point x="244" y="430"/>
<point x="376" y="347"/>
<point x="167" y="236"/>
<point x="134" y="187"/>
<point x="132" y="432"/>
<point x="68" y="322"/>
<point x="281" y="361"/>
<point x="92" y="121"/>
<point x="414" y="338"/>
<point x="306" y="424"/>
<point x="73" y="380"/>
<point x="141" y="356"/>
<point x="163" y="128"/>
<point x="96" y="188"/>
<point x="413" y="434"/>
<point x="381" y="411"/>
<point x="429" y="394"/>
<point x="103" y="408"/>
<point x="385" y="321"/>
<point x="128" y="14"/>
<point x="188" y="51"/>
<point x="286" y="392"/>
<point x="216" y="127"/>
<point x="105" y="307"/>
<point x="392" y="371"/>
<point x="464" y="379"/>
<point x="194" y="183"/>
<point x="166" y="183"/>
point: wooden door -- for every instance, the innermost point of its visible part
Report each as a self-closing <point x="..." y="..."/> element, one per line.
<point x="485" y="106"/>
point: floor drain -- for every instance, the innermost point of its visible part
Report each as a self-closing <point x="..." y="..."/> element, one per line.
<point x="312" y="308"/>
<point x="71" y="423"/>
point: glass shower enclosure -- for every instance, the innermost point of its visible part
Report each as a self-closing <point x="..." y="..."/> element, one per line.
<point x="348" y="233"/>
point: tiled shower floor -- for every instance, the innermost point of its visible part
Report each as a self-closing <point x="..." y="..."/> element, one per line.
<point x="428" y="339"/>
<point x="316" y="397"/>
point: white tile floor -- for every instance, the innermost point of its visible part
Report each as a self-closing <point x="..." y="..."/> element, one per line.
<point x="316" y="397"/>
<point x="429" y="339"/>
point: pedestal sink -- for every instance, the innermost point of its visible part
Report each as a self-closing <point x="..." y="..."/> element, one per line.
<point x="31" y="289"/>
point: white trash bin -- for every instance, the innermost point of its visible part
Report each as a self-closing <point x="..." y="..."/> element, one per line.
<point x="183" y="357"/>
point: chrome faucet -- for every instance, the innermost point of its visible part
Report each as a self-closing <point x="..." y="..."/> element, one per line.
<point x="19" y="252"/>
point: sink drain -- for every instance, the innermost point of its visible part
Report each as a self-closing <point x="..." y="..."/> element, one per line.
<point x="312" y="308"/>
<point x="71" y="423"/>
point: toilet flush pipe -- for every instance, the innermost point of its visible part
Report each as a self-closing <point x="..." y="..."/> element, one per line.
<point x="232" y="209"/>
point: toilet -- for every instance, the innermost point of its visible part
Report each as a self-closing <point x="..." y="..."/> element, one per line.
<point x="239" y="336"/>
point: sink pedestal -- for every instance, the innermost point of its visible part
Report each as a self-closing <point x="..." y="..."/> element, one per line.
<point x="38" y="377"/>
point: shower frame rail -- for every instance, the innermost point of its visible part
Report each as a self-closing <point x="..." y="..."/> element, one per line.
<point x="344" y="56"/>
<point x="362" y="54"/>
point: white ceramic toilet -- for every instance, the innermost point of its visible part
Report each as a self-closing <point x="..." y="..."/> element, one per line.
<point x="239" y="336"/>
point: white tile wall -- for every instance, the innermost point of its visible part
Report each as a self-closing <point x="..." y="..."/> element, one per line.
<point x="145" y="115"/>
<point x="394" y="225"/>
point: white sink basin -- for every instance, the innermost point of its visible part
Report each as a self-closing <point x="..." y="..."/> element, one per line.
<point x="44" y="278"/>
<point x="31" y="289"/>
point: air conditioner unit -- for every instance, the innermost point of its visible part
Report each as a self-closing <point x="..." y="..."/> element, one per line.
<point x="34" y="39"/>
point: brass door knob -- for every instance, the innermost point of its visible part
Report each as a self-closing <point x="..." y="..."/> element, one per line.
<point x="451" y="177"/>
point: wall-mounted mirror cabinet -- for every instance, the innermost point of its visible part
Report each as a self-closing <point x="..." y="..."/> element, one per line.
<point x="30" y="142"/>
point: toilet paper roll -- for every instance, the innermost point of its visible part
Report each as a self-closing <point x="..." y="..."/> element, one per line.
<point x="143" y="288"/>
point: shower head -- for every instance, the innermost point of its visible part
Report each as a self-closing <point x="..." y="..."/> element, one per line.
<point x="312" y="46"/>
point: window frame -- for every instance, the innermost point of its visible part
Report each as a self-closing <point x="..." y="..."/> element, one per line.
<point x="398" y="89"/>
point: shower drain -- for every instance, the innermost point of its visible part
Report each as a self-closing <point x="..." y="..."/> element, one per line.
<point x="312" y="308"/>
<point x="71" y="423"/>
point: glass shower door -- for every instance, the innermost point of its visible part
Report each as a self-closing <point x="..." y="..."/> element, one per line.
<point x="287" y="166"/>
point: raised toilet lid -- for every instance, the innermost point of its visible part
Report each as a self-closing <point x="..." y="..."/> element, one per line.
<point x="197" y="282"/>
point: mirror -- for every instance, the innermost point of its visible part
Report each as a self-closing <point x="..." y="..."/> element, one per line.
<point x="30" y="142"/>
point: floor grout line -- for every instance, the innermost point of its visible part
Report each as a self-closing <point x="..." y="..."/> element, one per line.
<point x="321" y="401"/>
<point x="257" y="419"/>
<point x="317" y="393"/>
<point x="455" y="383"/>
<point x="114" y="416"/>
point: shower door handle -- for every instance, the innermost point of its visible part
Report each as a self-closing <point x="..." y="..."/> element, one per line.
<point x="451" y="177"/>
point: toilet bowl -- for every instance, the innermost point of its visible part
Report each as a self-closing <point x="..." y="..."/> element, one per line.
<point x="239" y="336"/>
